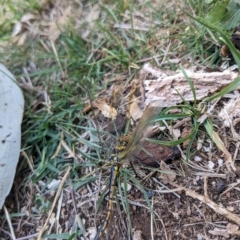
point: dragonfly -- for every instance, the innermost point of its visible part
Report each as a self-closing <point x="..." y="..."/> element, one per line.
<point x="149" y="114"/>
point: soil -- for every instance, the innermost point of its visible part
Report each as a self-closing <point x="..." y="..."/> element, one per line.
<point x="178" y="217"/>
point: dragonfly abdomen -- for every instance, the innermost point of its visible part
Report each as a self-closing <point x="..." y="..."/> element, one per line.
<point x="113" y="178"/>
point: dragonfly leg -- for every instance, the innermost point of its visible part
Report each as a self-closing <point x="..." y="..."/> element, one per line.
<point x="133" y="169"/>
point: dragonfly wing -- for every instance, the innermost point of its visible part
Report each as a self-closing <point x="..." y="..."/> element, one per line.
<point x="149" y="114"/>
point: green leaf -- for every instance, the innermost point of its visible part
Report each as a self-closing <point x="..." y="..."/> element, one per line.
<point x="217" y="13"/>
<point x="231" y="19"/>
<point x="232" y="86"/>
<point x="225" y="38"/>
<point x="225" y="14"/>
<point x="190" y="84"/>
<point x="83" y="181"/>
<point x="173" y="142"/>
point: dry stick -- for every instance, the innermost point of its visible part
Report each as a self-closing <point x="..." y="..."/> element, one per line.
<point x="28" y="161"/>
<point x="205" y="186"/>
<point x="57" y="224"/>
<point x="233" y="185"/>
<point x="152" y="222"/>
<point x="8" y="217"/>
<point x="168" y="190"/>
<point x="220" y="210"/>
<point x="214" y="175"/>
<point x="54" y="203"/>
<point x="57" y="57"/>
<point x="77" y="218"/>
<point x="59" y="147"/>
<point x="236" y="151"/>
<point x="28" y="237"/>
<point x="236" y="232"/>
<point x="164" y="229"/>
<point x="68" y="149"/>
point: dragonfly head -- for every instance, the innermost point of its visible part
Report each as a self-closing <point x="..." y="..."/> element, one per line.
<point x="114" y="158"/>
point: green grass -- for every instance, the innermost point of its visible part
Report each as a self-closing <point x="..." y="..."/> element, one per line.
<point x="74" y="78"/>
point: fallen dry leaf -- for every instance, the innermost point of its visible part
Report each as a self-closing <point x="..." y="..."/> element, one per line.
<point x="136" y="96"/>
<point x="54" y="29"/>
<point x="105" y="108"/>
<point x="137" y="235"/>
<point x="230" y="114"/>
<point x="90" y="20"/>
<point x="186" y="131"/>
<point x="135" y="111"/>
<point x="229" y="111"/>
<point x="176" y="133"/>
<point x="168" y="175"/>
<point x="116" y="95"/>
<point x="20" y="39"/>
<point x="232" y="227"/>
<point x="18" y="27"/>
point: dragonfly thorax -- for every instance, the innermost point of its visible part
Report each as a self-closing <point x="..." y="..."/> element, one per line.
<point x="114" y="158"/>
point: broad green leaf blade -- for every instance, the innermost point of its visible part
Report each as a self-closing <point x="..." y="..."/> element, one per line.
<point x="172" y="116"/>
<point x="217" y="13"/>
<point x="173" y="142"/>
<point x="225" y="14"/>
<point x="190" y="84"/>
<point x="231" y="19"/>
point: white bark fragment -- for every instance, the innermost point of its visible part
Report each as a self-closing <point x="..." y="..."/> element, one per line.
<point x="11" y="112"/>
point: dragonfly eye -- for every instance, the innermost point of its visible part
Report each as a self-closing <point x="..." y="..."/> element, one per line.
<point x="114" y="158"/>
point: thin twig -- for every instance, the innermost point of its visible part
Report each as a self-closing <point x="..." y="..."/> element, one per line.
<point x="205" y="186"/>
<point x="54" y="203"/>
<point x="28" y="237"/>
<point x="155" y="180"/>
<point x="218" y="209"/>
<point x="152" y="236"/>
<point x="9" y="222"/>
